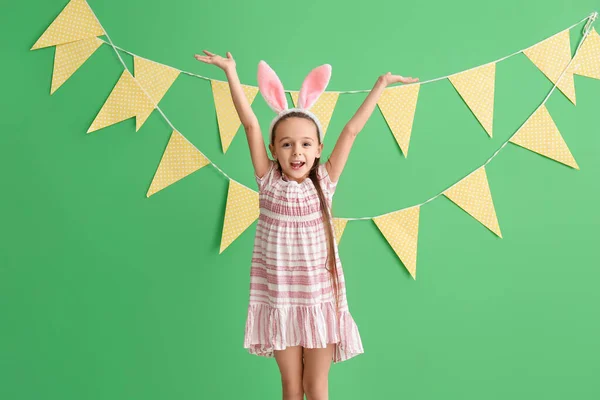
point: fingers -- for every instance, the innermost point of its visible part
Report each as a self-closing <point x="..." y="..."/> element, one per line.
<point x="204" y="59"/>
<point x="208" y="52"/>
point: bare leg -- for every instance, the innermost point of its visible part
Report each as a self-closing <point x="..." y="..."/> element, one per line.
<point x="291" y="367"/>
<point x="316" y="372"/>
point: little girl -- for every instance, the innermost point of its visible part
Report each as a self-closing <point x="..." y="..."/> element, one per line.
<point x="298" y="311"/>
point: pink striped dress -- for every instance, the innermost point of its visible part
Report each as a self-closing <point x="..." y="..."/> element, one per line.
<point x="291" y="292"/>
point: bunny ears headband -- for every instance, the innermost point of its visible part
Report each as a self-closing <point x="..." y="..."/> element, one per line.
<point x="272" y="91"/>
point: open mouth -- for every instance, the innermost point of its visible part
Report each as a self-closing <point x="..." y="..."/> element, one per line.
<point x="297" y="165"/>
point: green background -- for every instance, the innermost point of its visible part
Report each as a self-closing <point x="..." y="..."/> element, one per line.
<point x="107" y="294"/>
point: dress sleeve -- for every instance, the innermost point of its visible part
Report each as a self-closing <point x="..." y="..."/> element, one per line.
<point x="262" y="181"/>
<point x="326" y="184"/>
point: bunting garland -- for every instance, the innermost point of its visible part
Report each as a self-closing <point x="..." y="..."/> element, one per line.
<point x="75" y="34"/>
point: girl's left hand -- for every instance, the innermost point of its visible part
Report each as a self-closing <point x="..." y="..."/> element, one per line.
<point x="388" y="79"/>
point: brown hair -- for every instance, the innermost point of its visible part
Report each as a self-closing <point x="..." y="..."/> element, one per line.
<point x="331" y="260"/>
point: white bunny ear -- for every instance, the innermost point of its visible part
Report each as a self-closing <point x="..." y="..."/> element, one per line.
<point x="271" y="88"/>
<point x="313" y="86"/>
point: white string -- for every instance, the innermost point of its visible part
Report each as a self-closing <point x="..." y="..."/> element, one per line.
<point x="587" y="28"/>
<point x="365" y="90"/>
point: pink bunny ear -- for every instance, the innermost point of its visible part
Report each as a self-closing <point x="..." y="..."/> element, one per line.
<point x="271" y="88"/>
<point x="313" y="86"/>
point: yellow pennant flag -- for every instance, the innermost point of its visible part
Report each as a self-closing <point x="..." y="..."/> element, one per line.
<point x="136" y="97"/>
<point x="75" y="22"/>
<point x="339" y="225"/>
<point x="476" y="87"/>
<point x="69" y="57"/>
<point x="401" y="230"/>
<point x="552" y="56"/>
<point x="323" y="107"/>
<point x="227" y="117"/>
<point x="473" y="195"/>
<point x="587" y="59"/>
<point x="125" y="101"/>
<point x="398" y="105"/>
<point x="179" y="160"/>
<point x="540" y="134"/>
<point x="156" y="79"/>
<point x="241" y="211"/>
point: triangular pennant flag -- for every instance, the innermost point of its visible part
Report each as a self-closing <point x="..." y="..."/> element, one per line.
<point x="69" y="57"/>
<point x="552" y="56"/>
<point x="401" y="230"/>
<point x="476" y="87"/>
<point x="179" y="160"/>
<point x="473" y="195"/>
<point x="587" y="59"/>
<point x="125" y="101"/>
<point x="156" y="79"/>
<point x="75" y="22"/>
<point x="398" y="105"/>
<point x="540" y="134"/>
<point x="323" y="107"/>
<point x="241" y="211"/>
<point x="339" y="225"/>
<point x="227" y="117"/>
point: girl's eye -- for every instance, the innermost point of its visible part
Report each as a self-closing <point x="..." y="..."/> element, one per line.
<point x="307" y="144"/>
<point x="285" y="144"/>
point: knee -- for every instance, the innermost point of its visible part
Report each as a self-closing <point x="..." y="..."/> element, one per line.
<point x="315" y="388"/>
<point x="292" y="390"/>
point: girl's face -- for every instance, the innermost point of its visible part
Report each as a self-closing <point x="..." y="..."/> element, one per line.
<point x="295" y="146"/>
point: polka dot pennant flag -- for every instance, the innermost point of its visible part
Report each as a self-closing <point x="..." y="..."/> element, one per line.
<point x="587" y="60"/>
<point x="241" y="211"/>
<point x="179" y="160"/>
<point x="476" y="87"/>
<point x="473" y="195"/>
<point x="69" y="57"/>
<point x="398" y="105"/>
<point x="323" y="107"/>
<point x="128" y="99"/>
<point x="339" y="225"/>
<point x="401" y="230"/>
<point x="227" y="117"/>
<point x="155" y="78"/>
<point x="125" y="101"/>
<point x="540" y="134"/>
<point x="552" y="56"/>
<point x="75" y="22"/>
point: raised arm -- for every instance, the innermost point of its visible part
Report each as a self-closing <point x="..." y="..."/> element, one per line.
<point x="258" y="151"/>
<point x="337" y="160"/>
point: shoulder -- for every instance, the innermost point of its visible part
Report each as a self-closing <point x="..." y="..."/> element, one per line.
<point x="322" y="172"/>
<point x="267" y="177"/>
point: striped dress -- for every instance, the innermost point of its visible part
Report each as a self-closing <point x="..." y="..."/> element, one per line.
<point x="291" y="291"/>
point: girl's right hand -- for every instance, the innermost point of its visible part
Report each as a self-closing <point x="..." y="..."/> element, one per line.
<point x="215" y="59"/>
